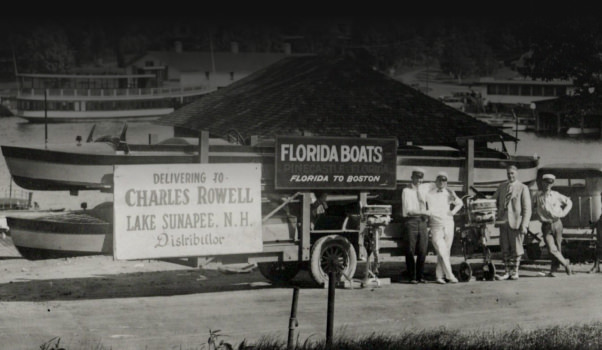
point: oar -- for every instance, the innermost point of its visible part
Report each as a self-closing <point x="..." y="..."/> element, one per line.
<point x="123" y="132"/>
<point x="122" y="143"/>
<point x="90" y="135"/>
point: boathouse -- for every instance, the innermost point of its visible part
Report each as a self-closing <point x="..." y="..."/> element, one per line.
<point x="572" y="115"/>
<point x="523" y="90"/>
<point x="338" y="95"/>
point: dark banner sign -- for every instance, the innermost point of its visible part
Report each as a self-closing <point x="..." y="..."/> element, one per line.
<point x="304" y="162"/>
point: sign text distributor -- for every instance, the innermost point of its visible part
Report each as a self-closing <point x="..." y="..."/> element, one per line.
<point x="335" y="163"/>
<point x="182" y="210"/>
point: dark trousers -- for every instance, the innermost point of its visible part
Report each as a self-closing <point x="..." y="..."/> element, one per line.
<point x="416" y="245"/>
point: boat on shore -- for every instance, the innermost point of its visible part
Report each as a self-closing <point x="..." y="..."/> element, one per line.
<point x="66" y="234"/>
<point x="496" y="120"/>
<point x="576" y="131"/>
<point x="61" y="98"/>
<point x="89" y="165"/>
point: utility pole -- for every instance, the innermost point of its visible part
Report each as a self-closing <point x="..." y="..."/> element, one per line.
<point x="427" y="79"/>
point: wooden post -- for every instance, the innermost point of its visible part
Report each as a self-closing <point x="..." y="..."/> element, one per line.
<point x="332" y="276"/>
<point x="153" y="138"/>
<point x="204" y="147"/>
<point x="292" y="323"/>
<point x="469" y="179"/>
<point x="45" y="117"/>
<point x="203" y="158"/>
<point x="363" y="198"/>
<point x="305" y="243"/>
<point x="558" y="124"/>
<point x="537" y="123"/>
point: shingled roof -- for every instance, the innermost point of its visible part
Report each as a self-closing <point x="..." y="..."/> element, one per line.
<point x="328" y="96"/>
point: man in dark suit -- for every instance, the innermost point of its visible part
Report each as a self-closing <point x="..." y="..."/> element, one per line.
<point x="414" y="226"/>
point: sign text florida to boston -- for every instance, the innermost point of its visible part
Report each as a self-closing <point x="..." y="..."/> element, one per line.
<point x="304" y="162"/>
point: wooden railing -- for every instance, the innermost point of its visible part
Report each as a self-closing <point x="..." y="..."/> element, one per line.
<point x="34" y="92"/>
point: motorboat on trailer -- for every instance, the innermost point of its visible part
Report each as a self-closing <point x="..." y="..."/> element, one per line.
<point x="89" y="165"/>
<point x="66" y="234"/>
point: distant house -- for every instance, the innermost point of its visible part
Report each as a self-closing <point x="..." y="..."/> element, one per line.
<point x="522" y="90"/>
<point x="203" y="69"/>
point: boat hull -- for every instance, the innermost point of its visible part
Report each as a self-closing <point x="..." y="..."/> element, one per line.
<point x="43" y="238"/>
<point x="73" y="116"/>
<point x="582" y="131"/>
<point x="90" y="166"/>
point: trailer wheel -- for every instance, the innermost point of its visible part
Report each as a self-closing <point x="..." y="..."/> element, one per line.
<point x="279" y="272"/>
<point x="465" y="272"/>
<point x="332" y="251"/>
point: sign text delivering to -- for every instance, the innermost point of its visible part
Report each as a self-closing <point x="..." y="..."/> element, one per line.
<point x="183" y="210"/>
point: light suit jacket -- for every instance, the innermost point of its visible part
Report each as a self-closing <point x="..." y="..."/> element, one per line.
<point x="519" y="207"/>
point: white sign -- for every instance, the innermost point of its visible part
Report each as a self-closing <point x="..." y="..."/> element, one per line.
<point x="186" y="210"/>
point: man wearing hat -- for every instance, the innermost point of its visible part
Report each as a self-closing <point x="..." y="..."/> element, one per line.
<point x="414" y="225"/>
<point x="513" y="201"/>
<point x="551" y="206"/>
<point x="441" y="221"/>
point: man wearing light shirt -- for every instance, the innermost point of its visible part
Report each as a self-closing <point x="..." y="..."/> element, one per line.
<point x="414" y="226"/>
<point x="441" y="221"/>
<point x="551" y="206"/>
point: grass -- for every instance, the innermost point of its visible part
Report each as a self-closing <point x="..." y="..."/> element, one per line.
<point x="586" y="336"/>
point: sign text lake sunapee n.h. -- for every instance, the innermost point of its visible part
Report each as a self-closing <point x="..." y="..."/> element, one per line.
<point x="186" y="210"/>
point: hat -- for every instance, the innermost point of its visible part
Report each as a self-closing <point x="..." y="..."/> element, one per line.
<point x="418" y="172"/>
<point x="548" y="177"/>
<point x="442" y="174"/>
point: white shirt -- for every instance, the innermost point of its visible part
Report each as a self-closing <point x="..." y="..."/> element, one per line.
<point x="413" y="199"/>
<point x="552" y="205"/>
<point x="439" y="202"/>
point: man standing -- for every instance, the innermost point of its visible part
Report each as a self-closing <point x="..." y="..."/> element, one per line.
<point x="551" y="206"/>
<point x="441" y="221"/>
<point x="513" y="201"/>
<point x="414" y="225"/>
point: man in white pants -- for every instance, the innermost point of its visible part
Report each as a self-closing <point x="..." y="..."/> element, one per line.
<point x="441" y="221"/>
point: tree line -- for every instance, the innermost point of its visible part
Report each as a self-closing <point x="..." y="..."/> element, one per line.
<point x="539" y="47"/>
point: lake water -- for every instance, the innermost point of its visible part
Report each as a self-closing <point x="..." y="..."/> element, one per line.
<point x="17" y="131"/>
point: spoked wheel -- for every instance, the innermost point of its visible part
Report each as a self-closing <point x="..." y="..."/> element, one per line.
<point x="279" y="272"/>
<point x="332" y="252"/>
<point x="489" y="271"/>
<point x="465" y="273"/>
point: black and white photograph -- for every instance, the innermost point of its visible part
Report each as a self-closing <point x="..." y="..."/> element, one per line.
<point x="311" y="182"/>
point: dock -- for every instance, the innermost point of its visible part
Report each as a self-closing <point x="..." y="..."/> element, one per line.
<point x="554" y="123"/>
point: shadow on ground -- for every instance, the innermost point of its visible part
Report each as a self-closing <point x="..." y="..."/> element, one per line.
<point x="175" y="282"/>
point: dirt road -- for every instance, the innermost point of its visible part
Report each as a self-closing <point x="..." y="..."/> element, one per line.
<point x="95" y="301"/>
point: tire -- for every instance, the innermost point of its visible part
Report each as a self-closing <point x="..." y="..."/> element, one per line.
<point x="279" y="272"/>
<point x="465" y="272"/>
<point x="336" y="250"/>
